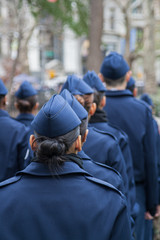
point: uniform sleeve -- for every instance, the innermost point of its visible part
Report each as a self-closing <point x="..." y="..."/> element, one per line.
<point x="129" y="168"/>
<point x="24" y="151"/>
<point x="116" y="161"/>
<point x="122" y="227"/>
<point x="151" y="173"/>
<point x="158" y="152"/>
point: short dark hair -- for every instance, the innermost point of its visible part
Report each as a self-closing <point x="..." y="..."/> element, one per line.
<point x="1" y="98"/>
<point x="27" y="104"/>
<point x="87" y="102"/>
<point x="83" y="126"/>
<point x="98" y="97"/>
<point x="51" y="151"/>
<point x="114" y="83"/>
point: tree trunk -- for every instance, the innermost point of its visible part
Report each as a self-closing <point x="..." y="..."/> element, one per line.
<point x="149" y="49"/>
<point x="127" y="38"/>
<point x="23" y="55"/>
<point x="13" y="70"/>
<point x="95" y="33"/>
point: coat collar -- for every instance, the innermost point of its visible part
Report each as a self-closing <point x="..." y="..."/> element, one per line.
<point x="99" y="116"/>
<point x="25" y="116"/>
<point x="118" y="93"/>
<point x="40" y="169"/>
<point x="83" y="156"/>
<point x="4" y="113"/>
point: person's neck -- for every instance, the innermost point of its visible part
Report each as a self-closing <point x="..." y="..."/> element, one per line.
<point x="117" y="87"/>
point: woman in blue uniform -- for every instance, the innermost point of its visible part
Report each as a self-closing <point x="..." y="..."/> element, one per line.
<point x="100" y="146"/>
<point x="96" y="169"/>
<point x="54" y="197"/>
<point x="14" y="149"/>
<point x="99" y="121"/>
<point x="26" y="103"/>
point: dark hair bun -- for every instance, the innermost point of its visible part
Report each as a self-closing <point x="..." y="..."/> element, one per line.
<point x="48" y="148"/>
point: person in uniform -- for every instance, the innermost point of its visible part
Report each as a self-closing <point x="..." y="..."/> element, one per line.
<point x="54" y="197"/>
<point x="14" y="151"/>
<point x="96" y="169"/>
<point x="26" y="103"/>
<point x="156" y="222"/>
<point x="99" y="145"/>
<point x="99" y="120"/>
<point x="131" y="85"/>
<point x="134" y="118"/>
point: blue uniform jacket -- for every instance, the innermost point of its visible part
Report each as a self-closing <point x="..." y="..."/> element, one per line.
<point x="157" y="135"/>
<point x="101" y="171"/>
<point x="103" y="147"/>
<point x="135" y="118"/>
<point x="122" y="138"/>
<point x="66" y="204"/>
<point x="25" y="118"/>
<point x="14" y="151"/>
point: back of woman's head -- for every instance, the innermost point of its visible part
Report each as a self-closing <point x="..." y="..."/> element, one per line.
<point x="52" y="151"/>
<point x="26" y="97"/>
<point x="57" y="128"/>
<point x="78" y="109"/>
<point x="27" y="104"/>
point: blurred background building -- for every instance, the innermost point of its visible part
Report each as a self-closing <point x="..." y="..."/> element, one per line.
<point x="46" y="47"/>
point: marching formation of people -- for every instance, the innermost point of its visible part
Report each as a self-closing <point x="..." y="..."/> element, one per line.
<point x="86" y="165"/>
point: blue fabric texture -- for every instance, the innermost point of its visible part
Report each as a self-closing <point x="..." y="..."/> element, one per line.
<point x="103" y="147"/>
<point x="76" y="86"/>
<point x="135" y="118"/>
<point x="131" y="82"/>
<point x="102" y="171"/>
<point x="75" y="105"/>
<point x="66" y="204"/>
<point x="14" y="146"/>
<point x="25" y="90"/>
<point x="146" y="98"/>
<point x="114" y="66"/>
<point x="55" y="118"/>
<point x="3" y="89"/>
<point x="92" y="79"/>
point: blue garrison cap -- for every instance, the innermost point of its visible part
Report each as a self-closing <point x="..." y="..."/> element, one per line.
<point x="92" y="79"/>
<point x="76" y="86"/>
<point x="131" y="82"/>
<point x="55" y="118"/>
<point x="146" y="98"/>
<point x="3" y="89"/>
<point x="75" y="105"/>
<point x="114" y="66"/>
<point x="25" y="90"/>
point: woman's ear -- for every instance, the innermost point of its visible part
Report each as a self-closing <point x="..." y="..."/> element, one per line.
<point x="92" y="109"/>
<point x="128" y="75"/>
<point x="135" y="90"/>
<point x="85" y="136"/>
<point x="78" y="145"/>
<point x="103" y="102"/>
<point x="36" y="106"/>
<point x="101" y="77"/>
<point x="32" y="143"/>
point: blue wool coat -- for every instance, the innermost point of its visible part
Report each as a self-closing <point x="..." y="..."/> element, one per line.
<point x="67" y="204"/>
<point x="157" y="135"/>
<point x="135" y="118"/>
<point x="124" y="146"/>
<point x="102" y="171"/>
<point x="25" y="118"/>
<point x="104" y="148"/>
<point x="14" y="146"/>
